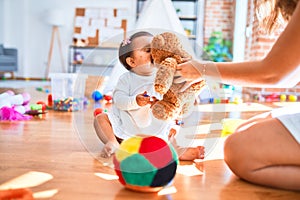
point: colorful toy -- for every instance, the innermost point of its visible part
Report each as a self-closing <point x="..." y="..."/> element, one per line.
<point x="282" y="97"/>
<point x="50" y="101"/>
<point x="145" y="163"/>
<point x="292" y="98"/>
<point x="43" y="104"/>
<point x="67" y="104"/>
<point x="37" y="109"/>
<point x="230" y="125"/>
<point x="107" y="98"/>
<point x="97" y="96"/>
<point x="18" y="102"/>
<point x="98" y="111"/>
<point x="10" y="114"/>
<point x="167" y="52"/>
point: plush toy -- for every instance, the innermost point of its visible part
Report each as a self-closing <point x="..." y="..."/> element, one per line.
<point x="17" y="101"/>
<point x="145" y="163"/>
<point x="167" y="53"/>
<point x="14" y="106"/>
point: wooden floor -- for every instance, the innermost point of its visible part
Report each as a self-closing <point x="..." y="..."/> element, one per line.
<point x="64" y="145"/>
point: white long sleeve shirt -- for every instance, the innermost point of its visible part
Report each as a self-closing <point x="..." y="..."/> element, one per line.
<point x="126" y="116"/>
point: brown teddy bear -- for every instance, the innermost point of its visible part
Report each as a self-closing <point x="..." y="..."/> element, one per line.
<point x="167" y="52"/>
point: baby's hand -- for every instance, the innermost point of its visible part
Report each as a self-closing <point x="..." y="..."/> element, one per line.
<point x="143" y="99"/>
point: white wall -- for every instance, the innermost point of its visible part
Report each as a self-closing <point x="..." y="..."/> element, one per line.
<point x="23" y="26"/>
<point x="1" y="20"/>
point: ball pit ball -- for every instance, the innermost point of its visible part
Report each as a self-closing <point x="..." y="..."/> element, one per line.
<point x="292" y="98"/>
<point x="282" y="97"/>
<point x="96" y="95"/>
<point x="145" y="163"/>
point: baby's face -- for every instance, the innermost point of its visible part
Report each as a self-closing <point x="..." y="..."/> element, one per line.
<point x="141" y="53"/>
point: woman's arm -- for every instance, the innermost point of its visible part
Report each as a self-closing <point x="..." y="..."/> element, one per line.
<point x="280" y="68"/>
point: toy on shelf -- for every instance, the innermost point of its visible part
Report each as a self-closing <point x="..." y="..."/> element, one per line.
<point x="78" y="57"/>
<point x="145" y="163"/>
<point x="292" y="98"/>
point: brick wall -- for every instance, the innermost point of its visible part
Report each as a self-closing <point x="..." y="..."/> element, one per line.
<point x="219" y="16"/>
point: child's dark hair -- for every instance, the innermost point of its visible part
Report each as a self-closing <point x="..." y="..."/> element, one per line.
<point x="126" y="47"/>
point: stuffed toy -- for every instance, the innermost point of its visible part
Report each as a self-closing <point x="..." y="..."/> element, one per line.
<point x="167" y="53"/>
<point x="13" y="106"/>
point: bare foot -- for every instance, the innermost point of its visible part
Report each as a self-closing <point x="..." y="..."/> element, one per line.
<point x="109" y="149"/>
<point x="191" y="153"/>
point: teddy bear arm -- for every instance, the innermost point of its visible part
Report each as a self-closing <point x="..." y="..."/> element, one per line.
<point x="164" y="75"/>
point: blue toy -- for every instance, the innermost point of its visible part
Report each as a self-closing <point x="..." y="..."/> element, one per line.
<point x="96" y="95"/>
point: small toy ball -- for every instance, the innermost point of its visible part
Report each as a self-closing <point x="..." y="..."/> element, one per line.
<point x="97" y="111"/>
<point x="282" y="97"/>
<point x="292" y="98"/>
<point x="145" y="163"/>
<point x="96" y="95"/>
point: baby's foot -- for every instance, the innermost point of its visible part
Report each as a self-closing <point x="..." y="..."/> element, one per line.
<point x="109" y="149"/>
<point x="191" y="153"/>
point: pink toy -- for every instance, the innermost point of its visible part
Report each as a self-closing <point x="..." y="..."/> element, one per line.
<point x="7" y="113"/>
<point x="13" y="106"/>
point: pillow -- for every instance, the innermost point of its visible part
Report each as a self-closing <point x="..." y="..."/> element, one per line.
<point x="1" y="49"/>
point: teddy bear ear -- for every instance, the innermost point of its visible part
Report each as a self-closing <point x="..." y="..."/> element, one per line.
<point x="158" y="41"/>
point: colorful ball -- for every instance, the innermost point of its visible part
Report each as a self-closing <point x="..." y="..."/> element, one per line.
<point x="96" y="95"/>
<point x="145" y="163"/>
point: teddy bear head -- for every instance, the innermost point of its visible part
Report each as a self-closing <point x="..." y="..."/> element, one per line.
<point x="167" y="45"/>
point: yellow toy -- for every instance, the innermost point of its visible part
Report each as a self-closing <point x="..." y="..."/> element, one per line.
<point x="230" y="125"/>
<point x="167" y="52"/>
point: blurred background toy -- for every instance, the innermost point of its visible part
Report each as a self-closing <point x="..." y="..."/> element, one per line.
<point x="97" y="96"/>
<point x="145" y="163"/>
<point x="18" y="102"/>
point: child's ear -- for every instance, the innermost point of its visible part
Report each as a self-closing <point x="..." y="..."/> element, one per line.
<point x="130" y="62"/>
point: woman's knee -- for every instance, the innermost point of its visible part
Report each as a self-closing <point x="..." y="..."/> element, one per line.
<point x="236" y="153"/>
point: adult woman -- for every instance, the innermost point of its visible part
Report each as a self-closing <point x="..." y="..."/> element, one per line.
<point x="265" y="150"/>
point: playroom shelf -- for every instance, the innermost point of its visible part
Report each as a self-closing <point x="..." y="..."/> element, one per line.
<point x="106" y="55"/>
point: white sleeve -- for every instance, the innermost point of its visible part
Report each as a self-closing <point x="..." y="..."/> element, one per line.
<point x="121" y="97"/>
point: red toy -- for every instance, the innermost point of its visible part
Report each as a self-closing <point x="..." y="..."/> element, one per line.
<point x="44" y="106"/>
<point x="98" y="111"/>
<point x="107" y="98"/>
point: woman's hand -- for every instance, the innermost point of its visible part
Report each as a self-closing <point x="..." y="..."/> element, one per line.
<point x="187" y="72"/>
